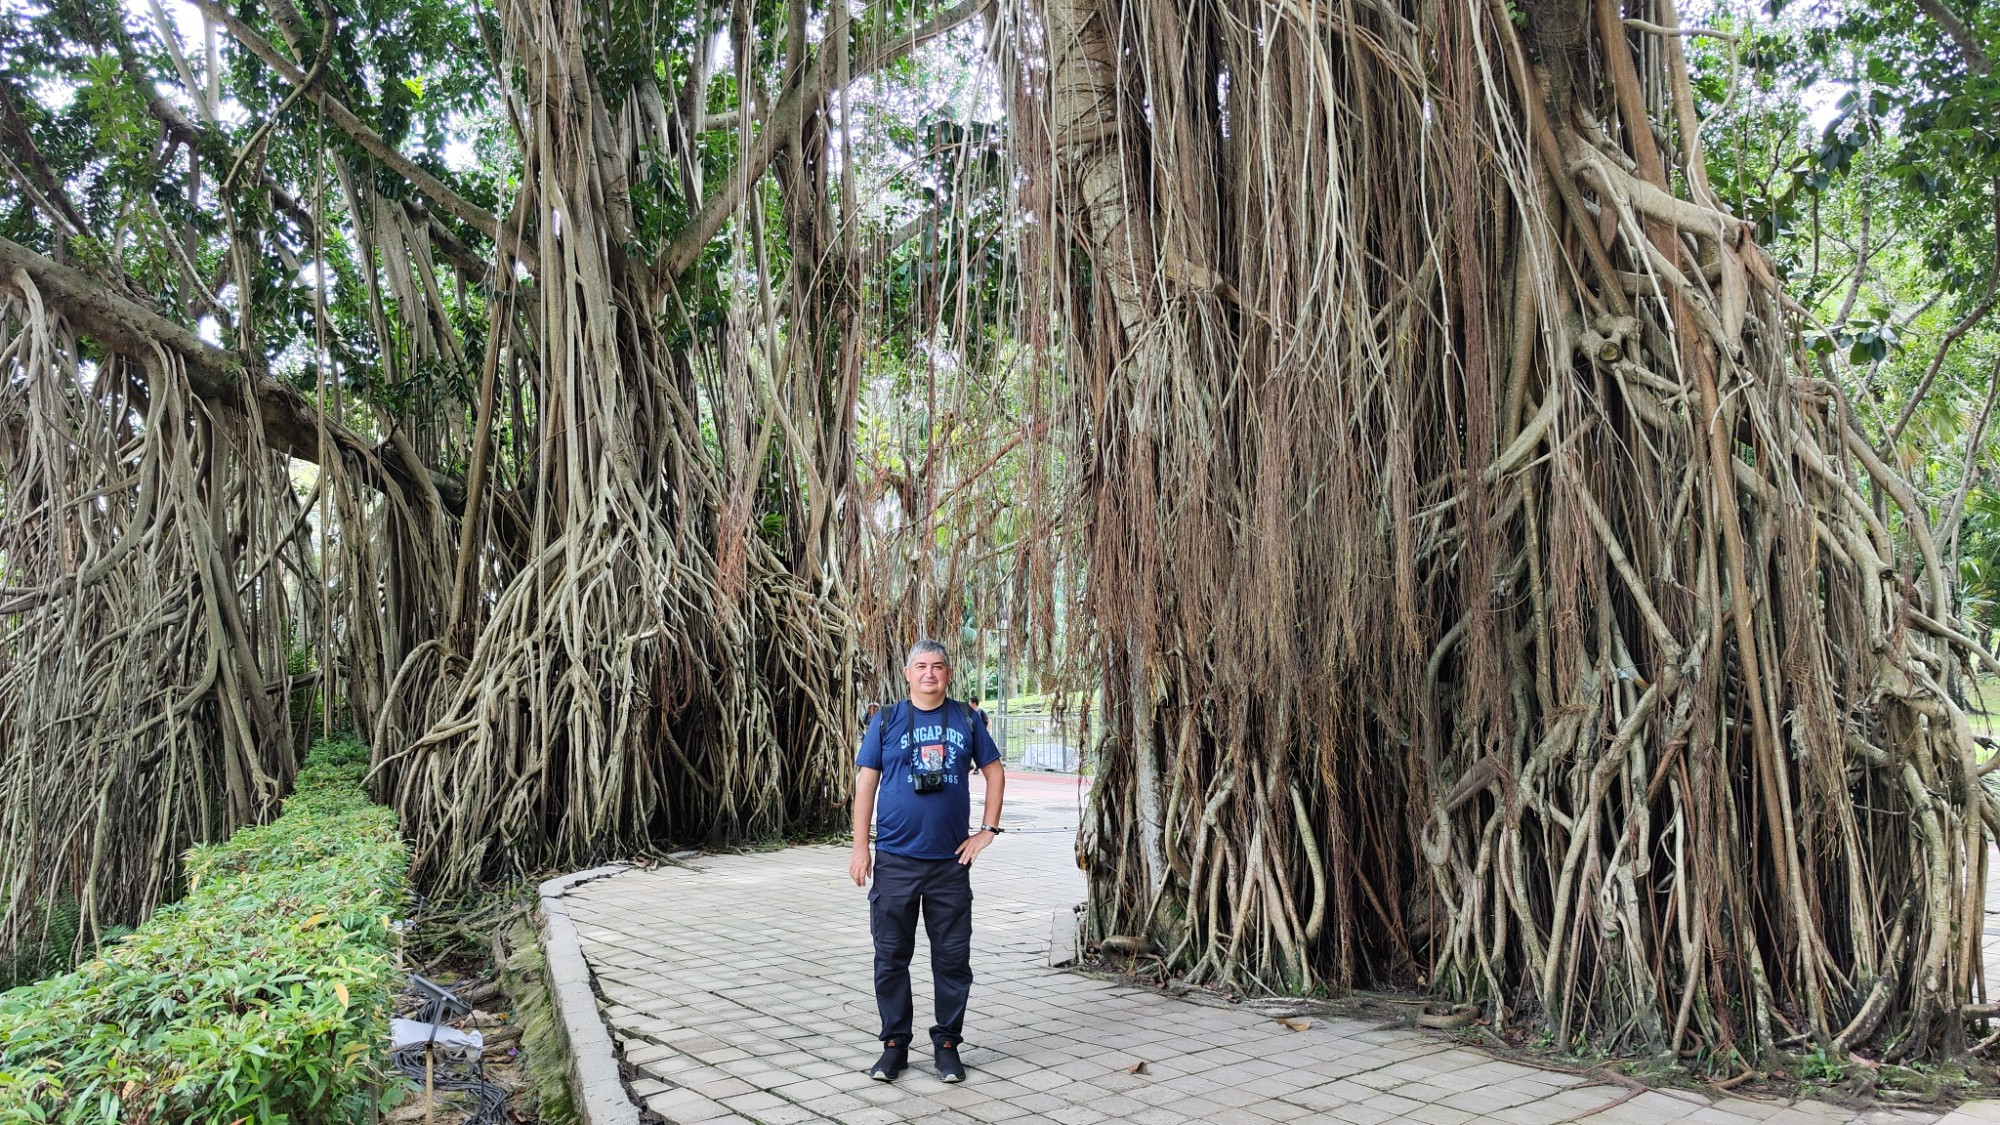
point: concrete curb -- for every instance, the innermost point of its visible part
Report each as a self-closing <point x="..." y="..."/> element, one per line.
<point x="597" y="1088"/>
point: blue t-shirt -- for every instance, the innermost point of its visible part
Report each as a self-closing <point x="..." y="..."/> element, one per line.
<point x="925" y="825"/>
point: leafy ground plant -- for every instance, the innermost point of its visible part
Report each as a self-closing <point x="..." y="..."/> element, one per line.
<point x="263" y="995"/>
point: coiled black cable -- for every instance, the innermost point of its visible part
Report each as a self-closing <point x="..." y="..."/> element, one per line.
<point x="449" y="1074"/>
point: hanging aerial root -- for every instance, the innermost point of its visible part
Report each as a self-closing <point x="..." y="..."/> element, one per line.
<point x="146" y="703"/>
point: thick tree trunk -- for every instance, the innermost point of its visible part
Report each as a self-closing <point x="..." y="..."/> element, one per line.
<point x="1470" y="621"/>
<point x="1100" y="172"/>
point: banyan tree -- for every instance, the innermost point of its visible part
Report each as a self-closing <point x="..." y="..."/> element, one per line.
<point x="1485" y="592"/>
<point x="536" y="471"/>
<point x="1490" y="595"/>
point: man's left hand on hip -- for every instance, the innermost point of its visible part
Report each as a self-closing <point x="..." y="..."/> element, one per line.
<point x="974" y="844"/>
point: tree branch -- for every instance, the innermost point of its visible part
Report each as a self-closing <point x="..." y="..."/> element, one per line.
<point x="1966" y="324"/>
<point x="1968" y="43"/>
<point x="21" y="140"/>
<point x="290" y="422"/>
<point x="783" y="123"/>
<point x="344" y="119"/>
<point x="1975" y="447"/>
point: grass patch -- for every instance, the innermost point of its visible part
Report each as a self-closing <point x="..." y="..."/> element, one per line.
<point x="1982" y="698"/>
<point x="263" y="995"/>
<point x="1041" y="703"/>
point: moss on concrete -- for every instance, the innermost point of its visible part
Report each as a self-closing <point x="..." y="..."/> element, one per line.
<point x="544" y="1047"/>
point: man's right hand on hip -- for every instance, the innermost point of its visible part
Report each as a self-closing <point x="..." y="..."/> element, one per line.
<point x="860" y="864"/>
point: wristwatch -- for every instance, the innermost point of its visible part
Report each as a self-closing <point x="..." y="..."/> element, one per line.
<point x="993" y="828"/>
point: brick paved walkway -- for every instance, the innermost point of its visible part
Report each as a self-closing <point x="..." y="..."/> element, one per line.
<point x="740" y="991"/>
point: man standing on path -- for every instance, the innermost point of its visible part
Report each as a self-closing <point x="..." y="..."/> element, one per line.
<point x="919" y="754"/>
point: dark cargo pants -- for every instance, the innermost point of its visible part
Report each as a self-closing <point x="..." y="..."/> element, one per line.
<point x="942" y="889"/>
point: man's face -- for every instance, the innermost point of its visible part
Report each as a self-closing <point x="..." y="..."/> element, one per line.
<point x="928" y="674"/>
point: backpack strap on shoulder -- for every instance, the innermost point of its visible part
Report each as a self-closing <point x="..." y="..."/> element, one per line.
<point x="969" y="715"/>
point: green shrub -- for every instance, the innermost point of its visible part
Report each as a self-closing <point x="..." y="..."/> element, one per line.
<point x="262" y="996"/>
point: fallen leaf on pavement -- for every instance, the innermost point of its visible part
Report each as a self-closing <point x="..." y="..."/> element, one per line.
<point x="1296" y="1025"/>
<point x="1137" y="1067"/>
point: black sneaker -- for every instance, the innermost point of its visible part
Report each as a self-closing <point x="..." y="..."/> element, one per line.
<point x="948" y="1066"/>
<point x="895" y="1056"/>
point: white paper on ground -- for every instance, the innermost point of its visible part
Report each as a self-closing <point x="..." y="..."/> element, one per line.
<point x="450" y="1041"/>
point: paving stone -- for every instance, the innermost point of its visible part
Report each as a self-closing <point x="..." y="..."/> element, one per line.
<point x="640" y="1053"/>
<point x="1081" y="1068"/>
<point x="958" y="1097"/>
<point x="1233" y="1097"/>
<point x="674" y="1067"/>
<point x="873" y="1115"/>
<point x="1007" y="1067"/>
<point x="1487" y="1099"/>
<point x="1716" y="1116"/>
<point x="1238" y="1116"/>
<point x="789" y="1115"/>
<point x="1438" y="1114"/>
<point x="685" y="1107"/>
<point x="1039" y="1103"/>
<point x="835" y="1104"/>
<point x="848" y="1080"/>
<point x="1158" y="1116"/>
<point x="719" y="1087"/>
<point x="1363" y="1113"/>
<point x="755" y="1104"/>
<point x="877" y="1093"/>
<point x="804" y="1090"/>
